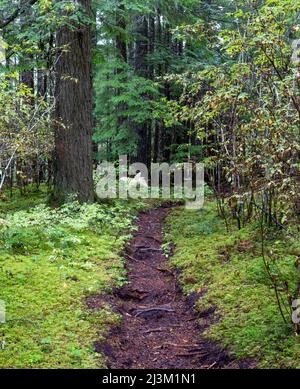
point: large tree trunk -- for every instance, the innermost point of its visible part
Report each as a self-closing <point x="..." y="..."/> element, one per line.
<point x="27" y="78"/>
<point x="74" y="94"/>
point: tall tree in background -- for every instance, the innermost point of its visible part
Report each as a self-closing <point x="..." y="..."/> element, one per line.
<point x="139" y="48"/>
<point x="141" y="70"/>
<point x="73" y="111"/>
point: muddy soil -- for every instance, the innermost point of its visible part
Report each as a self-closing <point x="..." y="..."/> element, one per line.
<point x="160" y="329"/>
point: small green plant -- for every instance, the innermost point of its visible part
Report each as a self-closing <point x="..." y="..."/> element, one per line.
<point x="229" y="271"/>
<point x="51" y="260"/>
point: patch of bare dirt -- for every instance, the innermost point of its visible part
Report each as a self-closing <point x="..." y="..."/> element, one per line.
<point x="159" y="328"/>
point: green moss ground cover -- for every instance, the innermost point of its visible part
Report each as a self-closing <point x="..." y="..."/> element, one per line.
<point x="230" y="269"/>
<point x="50" y="261"/>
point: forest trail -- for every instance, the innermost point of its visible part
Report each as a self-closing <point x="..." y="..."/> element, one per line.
<point x="159" y="328"/>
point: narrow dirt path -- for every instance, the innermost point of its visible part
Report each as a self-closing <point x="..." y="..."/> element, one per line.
<point x="159" y="328"/>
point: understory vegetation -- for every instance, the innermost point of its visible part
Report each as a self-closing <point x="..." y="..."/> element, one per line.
<point x="237" y="301"/>
<point x="51" y="260"/>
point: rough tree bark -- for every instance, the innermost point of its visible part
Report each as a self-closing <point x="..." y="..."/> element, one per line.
<point x="73" y="112"/>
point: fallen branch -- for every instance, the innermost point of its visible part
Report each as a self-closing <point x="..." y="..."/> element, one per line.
<point x="193" y="347"/>
<point x="155" y="330"/>
<point x="149" y="249"/>
<point x="165" y="271"/>
<point x="212" y="365"/>
<point x="141" y="312"/>
<point x="202" y="354"/>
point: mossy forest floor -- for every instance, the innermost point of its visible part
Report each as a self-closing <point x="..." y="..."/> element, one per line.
<point x="53" y="259"/>
<point x="227" y="270"/>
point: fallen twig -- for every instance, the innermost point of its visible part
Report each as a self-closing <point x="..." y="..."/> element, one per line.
<point x="149" y="249"/>
<point x="165" y="271"/>
<point x="212" y="365"/>
<point x="195" y="347"/>
<point x="155" y="330"/>
<point x="196" y="353"/>
<point x="141" y="312"/>
<point x="192" y="319"/>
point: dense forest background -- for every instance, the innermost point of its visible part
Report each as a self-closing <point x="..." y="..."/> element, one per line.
<point x="209" y="81"/>
<point x="205" y="81"/>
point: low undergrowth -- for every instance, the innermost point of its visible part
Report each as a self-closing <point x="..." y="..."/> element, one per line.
<point x="50" y="261"/>
<point x="229" y="270"/>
